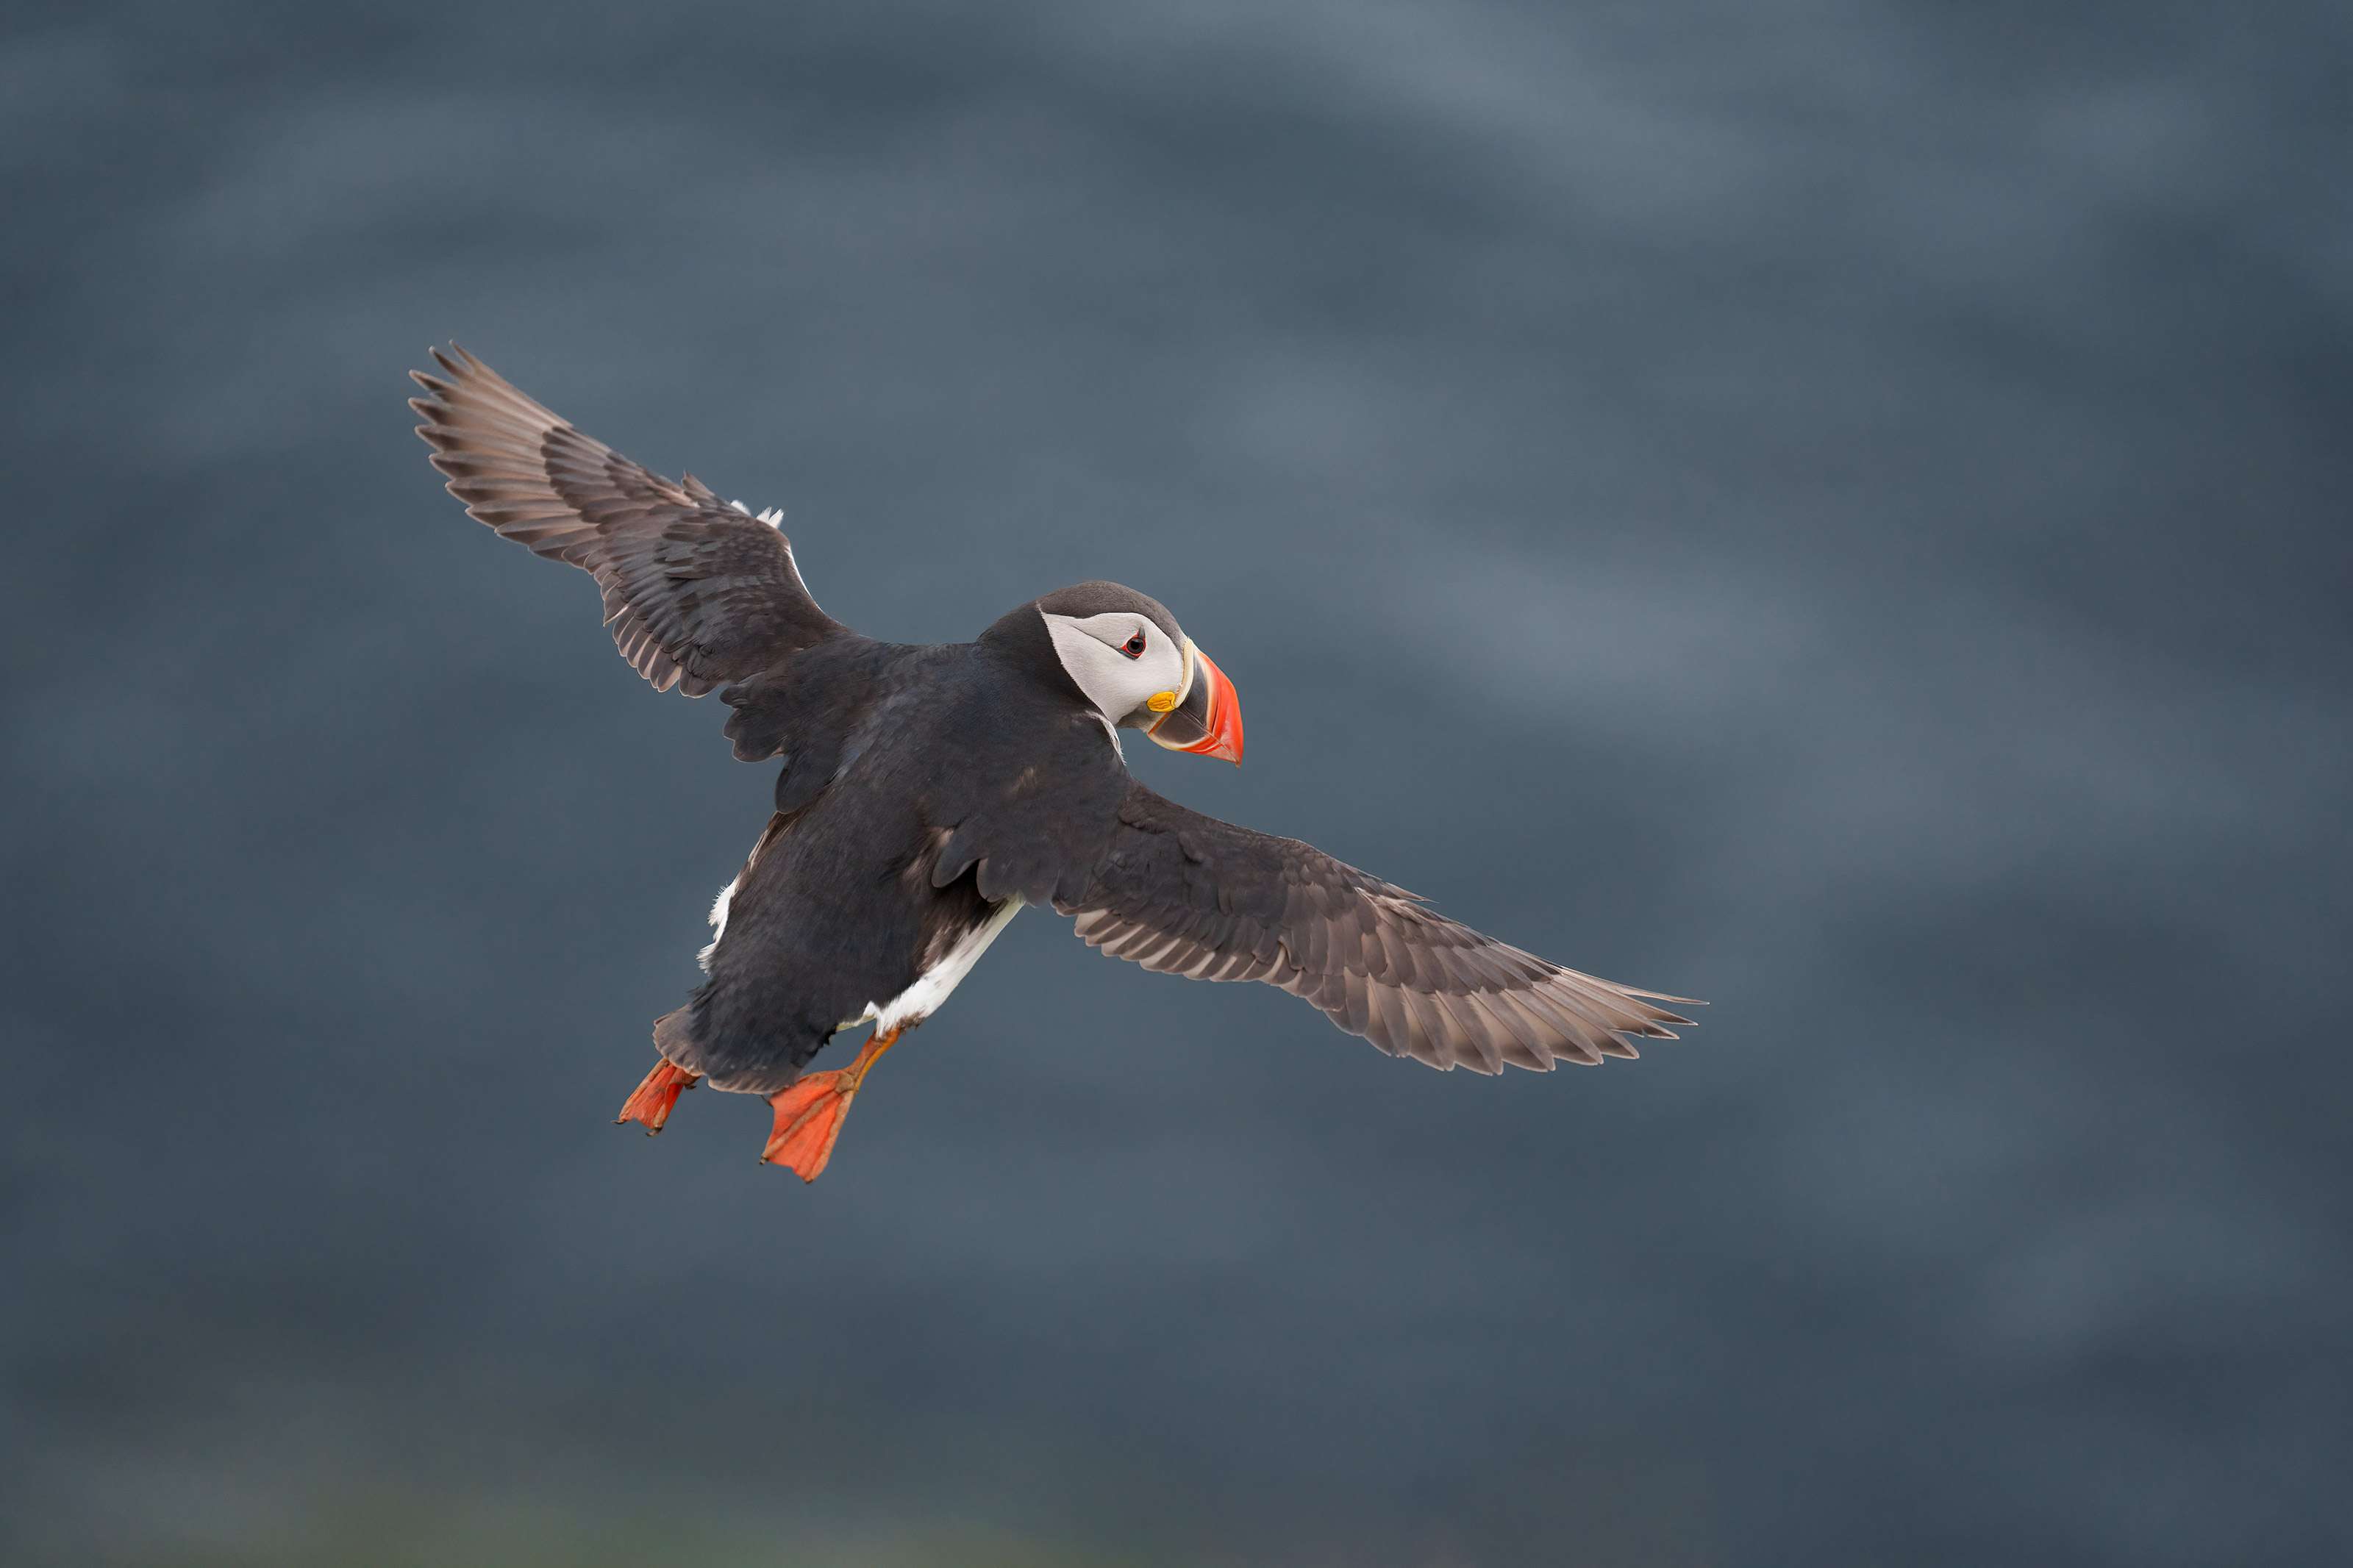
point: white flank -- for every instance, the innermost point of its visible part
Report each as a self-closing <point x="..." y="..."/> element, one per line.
<point x="930" y="993"/>
<point x="718" y="921"/>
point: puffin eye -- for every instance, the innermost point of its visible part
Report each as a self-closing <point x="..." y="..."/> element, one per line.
<point x="1134" y="647"/>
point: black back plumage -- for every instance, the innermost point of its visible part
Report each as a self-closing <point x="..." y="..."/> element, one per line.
<point x="956" y="781"/>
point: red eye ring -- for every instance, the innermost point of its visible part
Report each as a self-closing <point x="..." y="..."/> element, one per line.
<point x="1134" y="647"/>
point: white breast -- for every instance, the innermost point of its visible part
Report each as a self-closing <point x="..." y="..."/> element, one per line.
<point x="927" y="995"/>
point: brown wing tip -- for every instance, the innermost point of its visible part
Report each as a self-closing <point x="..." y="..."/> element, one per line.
<point x="465" y="373"/>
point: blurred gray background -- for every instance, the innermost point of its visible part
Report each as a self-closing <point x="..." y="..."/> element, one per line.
<point x="1837" y="508"/>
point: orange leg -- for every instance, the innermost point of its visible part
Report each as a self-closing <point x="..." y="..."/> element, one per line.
<point x="655" y="1096"/>
<point x="811" y="1110"/>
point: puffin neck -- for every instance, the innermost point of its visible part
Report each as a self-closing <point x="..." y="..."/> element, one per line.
<point x="1019" y="640"/>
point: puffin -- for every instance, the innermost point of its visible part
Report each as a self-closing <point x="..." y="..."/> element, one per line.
<point x="928" y="794"/>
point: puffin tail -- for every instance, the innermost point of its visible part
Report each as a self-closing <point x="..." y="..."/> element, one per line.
<point x="674" y="1035"/>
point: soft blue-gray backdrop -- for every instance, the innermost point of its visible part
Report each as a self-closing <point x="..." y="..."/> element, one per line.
<point x="1840" y="508"/>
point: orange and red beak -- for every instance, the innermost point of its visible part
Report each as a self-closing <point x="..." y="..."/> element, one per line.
<point x="1208" y="722"/>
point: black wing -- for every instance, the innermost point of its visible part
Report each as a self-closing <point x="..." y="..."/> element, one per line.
<point x="1186" y="894"/>
<point x="698" y="593"/>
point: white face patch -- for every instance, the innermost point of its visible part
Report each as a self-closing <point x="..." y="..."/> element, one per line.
<point x="1093" y="650"/>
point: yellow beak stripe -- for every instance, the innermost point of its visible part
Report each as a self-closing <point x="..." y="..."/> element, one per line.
<point x="1165" y="702"/>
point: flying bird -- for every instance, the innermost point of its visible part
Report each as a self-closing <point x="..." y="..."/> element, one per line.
<point x="931" y="793"/>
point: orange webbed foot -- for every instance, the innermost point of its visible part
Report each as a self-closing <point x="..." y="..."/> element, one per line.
<point x="809" y="1115"/>
<point x="656" y="1096"/>
<point x="811" y="1109"/>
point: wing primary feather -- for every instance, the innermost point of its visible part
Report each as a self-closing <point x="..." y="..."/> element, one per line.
<point x="1180" y="892"/>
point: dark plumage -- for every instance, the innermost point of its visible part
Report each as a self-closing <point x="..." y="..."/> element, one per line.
<point x="928" y="793"/>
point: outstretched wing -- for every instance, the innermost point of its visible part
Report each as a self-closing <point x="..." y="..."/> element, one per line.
<point x="1186" y="894"/>
<point x="698" y="593"/>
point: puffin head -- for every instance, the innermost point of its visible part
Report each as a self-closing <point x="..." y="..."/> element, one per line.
<point x="1129" y="658"/>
